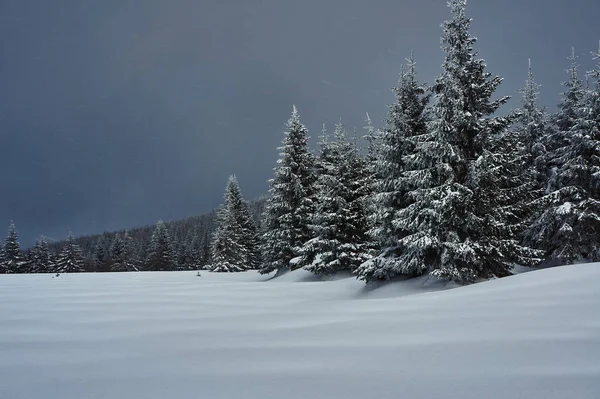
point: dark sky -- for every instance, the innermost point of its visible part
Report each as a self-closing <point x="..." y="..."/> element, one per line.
<point x="117" y="113"/>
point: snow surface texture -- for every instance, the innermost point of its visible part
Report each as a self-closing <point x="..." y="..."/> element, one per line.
<point x="174" y="335"/>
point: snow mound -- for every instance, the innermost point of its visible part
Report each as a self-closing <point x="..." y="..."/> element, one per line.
<point x="175" y="335"/>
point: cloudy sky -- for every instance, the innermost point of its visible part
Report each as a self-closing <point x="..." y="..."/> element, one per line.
<point x="117" y="113"/>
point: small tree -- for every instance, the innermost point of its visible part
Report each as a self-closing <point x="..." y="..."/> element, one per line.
<point x="41" y="259"/>
<point x="235" y="244"/>
<point x="12" y="259"/>
<point x="70" y="259"/>
<point x="161" y="255"/>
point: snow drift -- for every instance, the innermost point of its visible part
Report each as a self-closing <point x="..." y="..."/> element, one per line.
<point x="177" y="336"/>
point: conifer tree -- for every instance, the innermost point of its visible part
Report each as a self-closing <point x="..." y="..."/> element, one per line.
<point x="339" y="221"/>
<point x="70" y="259"/>
<point x="161" y="255"/>
<point x="568" y="231"/>
<point x="251" y="239"/>
<point x="122" y="254"/>
<point x="448" y="221"/>
<point x="12" y="259"/>
<point x="101" y="255"/>
<point x="406" y="126"/>
<point x="288" y="209"/>
<point x="534" y="132"/>
<point x="235" y="242"/>
<point x="41" y="259"/>
<point x="228" y="251"/>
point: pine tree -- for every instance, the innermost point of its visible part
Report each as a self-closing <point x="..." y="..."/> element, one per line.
<point x="406" y="126"/>
<point x="569" y="229"/>
<point x="234" y="247"/>
<point x="161" y="255"/>
<point x="70" y="259"/>
<point x="12" y="259"/>
<point x="40" y="258"/>
<point x="288" y="209"/>
<point x="339" y="222"/>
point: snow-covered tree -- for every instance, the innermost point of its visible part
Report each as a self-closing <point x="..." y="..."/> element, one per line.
<point x="41" y="259"/>
<point x="122" y="254"/>
<point x="406" y="126"/>
<point x="12" y="259"/>
<point x="448" y="221"/>
<point x="101" y="254"/>
<point x="568" y="231"/>
<point x="70" y="259"/>
<point x="288" y="209"/>
<point x="161" y="254"/>
<point x="251" y="238"/>
<point x="339" y="221"/>
<point x="235" y="242"/>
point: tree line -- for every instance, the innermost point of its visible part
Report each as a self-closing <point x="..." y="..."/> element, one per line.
<point x="449" y="186"/>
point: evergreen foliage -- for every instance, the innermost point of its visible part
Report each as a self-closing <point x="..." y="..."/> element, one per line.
<point x="41" y="260"/>
<point x="289" y="208"/>
<point x="12" y="259"/>
<point x="235" y="242"/>
<point x="161" y="255"/>
<point x="70" y="259"/>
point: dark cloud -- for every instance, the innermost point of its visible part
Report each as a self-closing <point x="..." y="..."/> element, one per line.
<point x="117" y="113"/>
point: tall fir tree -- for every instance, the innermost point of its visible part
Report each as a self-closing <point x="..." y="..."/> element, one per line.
<point x="41" y="259"/>
<point x="288" y="209"/>
<point x="12" y="259"/>
<point x="70" y="259"/>
<point x="161" y="254"/>
<point x="568" y="231"/>
<point x="406" y="126"/>
<point x="446" y="221"/>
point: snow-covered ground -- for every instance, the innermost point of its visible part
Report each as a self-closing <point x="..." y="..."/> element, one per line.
<point x="178" y="336"/>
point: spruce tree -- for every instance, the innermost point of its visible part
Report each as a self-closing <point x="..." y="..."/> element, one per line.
<point x="101" y="254"/>
<point x="161" y="255"/>
<point x="288" y="209"/>
<point x="12" y="259"/>
<point x="406" y="126"/>
<point x="122" y="254"/>
<point x="70" y="259"/>
<point x="338" y="222"/>
<point x="251" y="238"/>
<point x="568" y="231"/>
<point x="41" y="259"/>
<point x="449" y="221"/>
<point x="228" y="251"/>
<point x="235" y="242"/>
